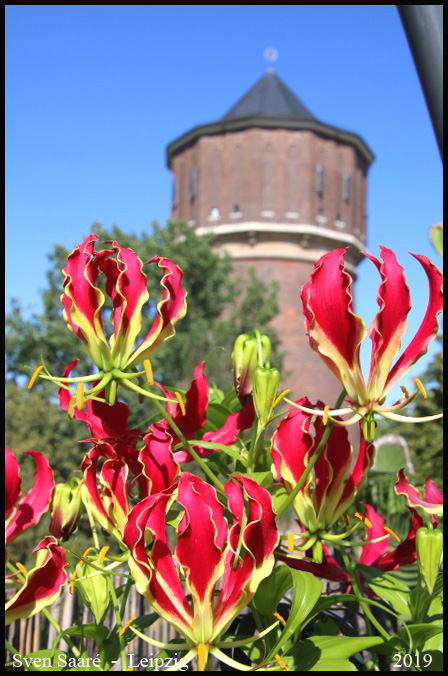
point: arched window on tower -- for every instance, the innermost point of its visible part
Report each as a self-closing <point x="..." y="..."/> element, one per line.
<point x="320" y="186"/>
<point x="320" y="180"/>
<point x="346" y="186"/>
<point x="214" y="210"/>
<point x="236" y="182"/>
<point x="175" y="194"/>
<point x="267" y="182"/>
<point x="192" y="184"/>
<point x="291" y="207"/>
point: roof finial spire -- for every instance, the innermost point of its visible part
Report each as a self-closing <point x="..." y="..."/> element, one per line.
<point x="270" y="54"/>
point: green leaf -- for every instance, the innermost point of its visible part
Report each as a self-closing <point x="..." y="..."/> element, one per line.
<point x="389" y="588"/>
<point x="271" y="590"/>
<point x="306" y="592"/>
<point x="319" y="650"/>
<point x="98" y="632"/>
<point x="420" y="633"/>
<point x="333" y="665"/>
<point x="216" y="417"/>
<point x="264" y="479"/>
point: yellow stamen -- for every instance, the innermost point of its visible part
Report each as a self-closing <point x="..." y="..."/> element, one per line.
<point x="291" y="542"/>
<point x="82" y="562"/>
<point x="70" y="404"/>
<point x="148" y="370"/>
<point x="78" y="488"/>
<point x="80" y="396"/>
<point x="130" y="669"/>
<point x="364" y="519"/>
<point x="34" y="376"/>
<point x="347" y="518"/>
<point x="202" y="656"/>
<point x="22" y="568"/>
<point x="102" y="554"/>
<point x="325" y="416"/>
<point x="279" y="617"/>
<point x="281" y="663"/>
<point x="182" y="407"/>
<point x="405" y="390"/>
<point x="72" y="581"/>
<point x="128" y="623"/>
<point x="280" y="396"/>
<point x="389" y="530"/>
<point x="420" y="387"/>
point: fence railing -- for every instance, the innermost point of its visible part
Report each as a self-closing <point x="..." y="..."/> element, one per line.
<point x="36" y="633"/>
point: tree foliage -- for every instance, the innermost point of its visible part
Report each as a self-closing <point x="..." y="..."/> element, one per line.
<point x="220" y="306"/>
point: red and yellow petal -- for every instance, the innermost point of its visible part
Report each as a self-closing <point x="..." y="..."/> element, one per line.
<point x="35" y="503"/>
<point x="432" y="503"/>
<point x="42" y="585"/>
<point x="127" y="287"/>
<point x="83" y="301"/>
<point x="334" y="330"/>
<point x="171" y="309"/>
<point x="390" y="323"/>
<point x="202" y="535"/>
<point x="157" y="577"/>
<point x="428" y="328"/>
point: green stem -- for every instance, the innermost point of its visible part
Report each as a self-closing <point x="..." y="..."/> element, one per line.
<point x="81" y="379"/>
<point x="119" y="623"/>
<point x="312" y="461"/>
<point x="253" y="443"/>
<point x="370" y="617"/>
<point x="126" y="594"/>
<point x="12" y="650"/>
<point x="125" y="382"/>
<point x="189" y="448"/>
<point x="96" y="540"/>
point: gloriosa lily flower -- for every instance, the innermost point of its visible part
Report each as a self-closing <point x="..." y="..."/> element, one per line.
<point x="377" y="553"/>
<point x="128" y="472"/>
<point x="125" y="284"/>
<point x="42" y="584"/>
<point x="431" y="503"/>
<point x="194" y="417"/>
<point x="325" y="496"/>
<point x="19" y="517"/>
<point x="154" y="469"/>
<point x="336" y="332"/>
<point x="205" y="551"/>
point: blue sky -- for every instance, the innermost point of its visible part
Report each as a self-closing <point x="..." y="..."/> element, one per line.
<point x="94" y="93"/>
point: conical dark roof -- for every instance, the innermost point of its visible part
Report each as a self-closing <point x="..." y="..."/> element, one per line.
<point x="269" y="97"/>
<point x="269" y="104"/>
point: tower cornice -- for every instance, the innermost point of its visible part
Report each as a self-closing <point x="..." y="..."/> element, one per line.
<point x="224" y="126"/>
<point x="299" y="242"/>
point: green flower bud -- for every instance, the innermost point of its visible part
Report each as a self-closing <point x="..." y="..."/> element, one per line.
<point x="429" y="553"/>
<point x="248" y="353"/>
<point x="265" y="387"/>
<point x="66" y="508"/>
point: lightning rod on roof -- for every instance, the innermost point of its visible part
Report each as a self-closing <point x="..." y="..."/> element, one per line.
<point x="270" y="54"/>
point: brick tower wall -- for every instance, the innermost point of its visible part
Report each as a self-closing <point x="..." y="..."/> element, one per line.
<point x="277" y="199"/>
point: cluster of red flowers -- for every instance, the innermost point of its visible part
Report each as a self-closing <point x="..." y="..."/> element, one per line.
<point x="133" y="477"/>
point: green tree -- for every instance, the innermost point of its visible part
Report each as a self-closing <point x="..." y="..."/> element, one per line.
<point x="220" y="306"/>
